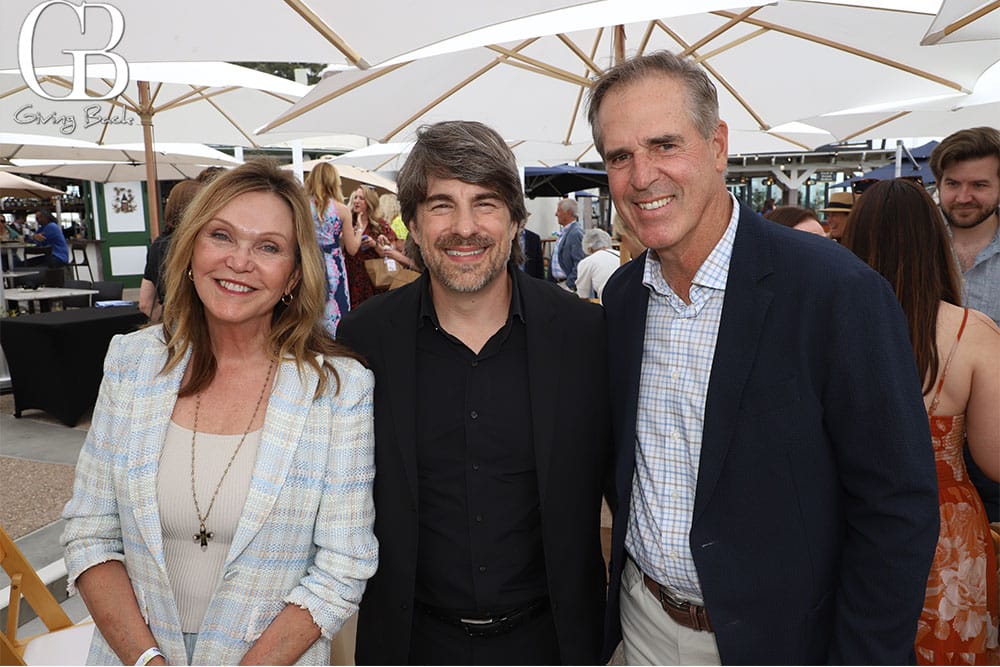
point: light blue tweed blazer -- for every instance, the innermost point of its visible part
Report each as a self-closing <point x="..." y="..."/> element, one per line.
<point x="305" y="536"/>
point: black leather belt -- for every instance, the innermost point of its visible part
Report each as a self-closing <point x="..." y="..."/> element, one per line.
<point x="488" y="626"/>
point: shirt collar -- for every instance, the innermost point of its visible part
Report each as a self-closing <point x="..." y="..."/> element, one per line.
<point x="427" y="312"/>
<point x="713" y="272"/>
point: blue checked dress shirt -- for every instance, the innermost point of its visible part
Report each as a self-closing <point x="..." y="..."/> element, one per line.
<point x="677" y="358"/>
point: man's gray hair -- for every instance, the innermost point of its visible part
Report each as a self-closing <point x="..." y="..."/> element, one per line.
<point x="595" y="239"/>
<point x="703" y="99"/>
<point x="570" y="205"/>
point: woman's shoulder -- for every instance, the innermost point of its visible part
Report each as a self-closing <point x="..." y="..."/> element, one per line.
<point x="145" y="340"/>
<point x="982" y="335"/>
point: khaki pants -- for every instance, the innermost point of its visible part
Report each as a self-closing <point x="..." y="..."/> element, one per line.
<point x="651" y="637"/>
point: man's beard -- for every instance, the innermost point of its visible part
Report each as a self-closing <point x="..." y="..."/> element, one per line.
<point x="969" y="225"/>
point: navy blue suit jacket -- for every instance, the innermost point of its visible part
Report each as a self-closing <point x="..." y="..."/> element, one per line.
<point x="816" y="513"/>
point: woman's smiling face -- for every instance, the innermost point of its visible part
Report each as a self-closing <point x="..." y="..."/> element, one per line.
<point x="244" y="260"/>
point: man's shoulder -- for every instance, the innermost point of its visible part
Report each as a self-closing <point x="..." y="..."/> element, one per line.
<point x="375" y="310"/>
<point x="547" y="296"/>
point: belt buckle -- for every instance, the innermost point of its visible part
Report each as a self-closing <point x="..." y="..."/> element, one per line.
<point x="669" y="600"/>
<point x="482" y="627"/>
<point x="477" y="621"/>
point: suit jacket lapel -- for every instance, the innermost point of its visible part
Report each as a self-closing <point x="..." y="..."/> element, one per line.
<point x="545" y="358"/>
<point x="743" y="314"/>
<point x="287" y="411"/>
<point x="152" y="408"/>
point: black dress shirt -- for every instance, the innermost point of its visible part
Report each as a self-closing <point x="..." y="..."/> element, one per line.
<point x="479" y="543"/>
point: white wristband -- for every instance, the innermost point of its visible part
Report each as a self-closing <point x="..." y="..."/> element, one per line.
<point x="148" y="656"/>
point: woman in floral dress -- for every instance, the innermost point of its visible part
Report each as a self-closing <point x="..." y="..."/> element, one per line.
<point x="326" y="197"/>
<point x="897" y="229"/>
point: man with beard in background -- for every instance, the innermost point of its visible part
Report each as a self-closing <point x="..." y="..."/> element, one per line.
<point x="967" y="168"/>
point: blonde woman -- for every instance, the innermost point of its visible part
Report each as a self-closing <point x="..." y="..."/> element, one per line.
<point x="376" y="238"/>
<point x="222" y="510"/>
<point x="329" y="214"/>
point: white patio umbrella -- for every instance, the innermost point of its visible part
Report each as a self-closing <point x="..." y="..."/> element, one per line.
<point x="216" y="103"/>
<point x="965" y="20"/>
<point x="771" y="64"/>
<point x="320" y="31"/>
<point x="390" y="156"/>
<point x="12" y="185"/>
<point x="933" y="117"/>
<point x="174" y="161"/>
<point x="17" y="148"/>
<point x="351" y="176"/>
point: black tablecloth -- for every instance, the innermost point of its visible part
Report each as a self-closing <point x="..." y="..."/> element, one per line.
<point x="56" y="359"/>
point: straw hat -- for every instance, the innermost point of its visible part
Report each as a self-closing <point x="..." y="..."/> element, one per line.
<point x="840" y="202"/>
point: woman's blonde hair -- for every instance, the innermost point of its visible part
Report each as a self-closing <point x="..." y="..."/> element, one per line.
<point x="323" y="184"/>
<point x="296" y="327"/>
<point x="374" y="212"/>
<point x="389" y="206"/>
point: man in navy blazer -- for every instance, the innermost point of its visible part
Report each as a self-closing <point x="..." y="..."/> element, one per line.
<point x="775" y="484"/>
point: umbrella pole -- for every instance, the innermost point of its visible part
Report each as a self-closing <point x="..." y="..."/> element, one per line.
<point x="152" y="186"/>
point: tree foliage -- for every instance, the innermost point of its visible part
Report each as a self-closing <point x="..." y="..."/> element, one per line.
<point x="287" y="70"/>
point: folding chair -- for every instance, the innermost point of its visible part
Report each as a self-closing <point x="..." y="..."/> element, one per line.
<point x="76" y="261"/>
<point x="64" y="643"/>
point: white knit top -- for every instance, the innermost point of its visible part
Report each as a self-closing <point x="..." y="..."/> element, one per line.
<point x="194" y="574"/>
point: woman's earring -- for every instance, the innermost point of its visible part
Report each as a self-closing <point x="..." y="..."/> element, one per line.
<point x="287" y="298"/>
<point x="190" y="275"/>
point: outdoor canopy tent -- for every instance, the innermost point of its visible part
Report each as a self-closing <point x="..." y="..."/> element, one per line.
<point x="561" y="180"/>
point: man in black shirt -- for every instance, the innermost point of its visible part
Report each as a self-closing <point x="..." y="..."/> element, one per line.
<point x="492" y="432"/>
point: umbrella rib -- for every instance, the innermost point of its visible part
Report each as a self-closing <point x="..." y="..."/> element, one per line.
<point x="454" y="89"/>
<point x="644" y="42"/>
<point x="445" y="95"/>
<point x="539" y="66"/>
<point x="587" y="60"/>
<point x="878" y="124"/>
<point x="319" y="25"/>
<point x="970" y="18"/>
<point x="331" y="96"/>
<point x="848" y="49"/>
<point x="791" y="141"/>
<point x="229" y="119"/>
<point x="18" y="89"/>
<point x="711" y="70"/>
<point x="580" y="156"/>
<point x="736" y="42"/>
<point x="579" y="93"/>
<point x="558" y="75"/>
<point x="736" y="19"/>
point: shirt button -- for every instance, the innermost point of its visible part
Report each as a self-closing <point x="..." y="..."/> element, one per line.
<point x="479" y="518"/>
<point x="475" y="363"/>
<point x="676" y="375"/>
<point x="475" y="466"/>
<point x="474" y="414"/>
<point x="482" y="568"/>
<point x="673" y="554"/>
<point x="676" y="435"/>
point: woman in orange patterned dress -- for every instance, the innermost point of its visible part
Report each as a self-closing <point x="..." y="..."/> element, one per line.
<point x="898" y="230"/>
